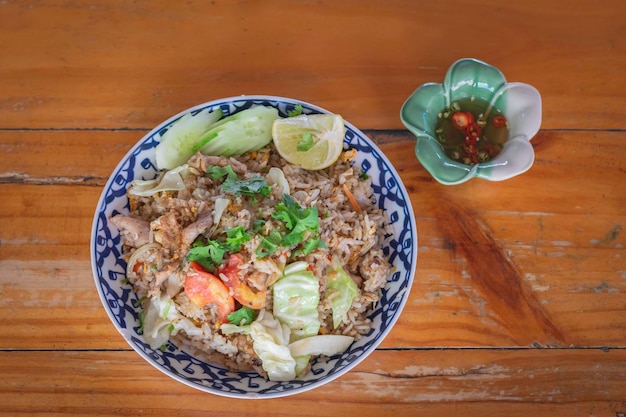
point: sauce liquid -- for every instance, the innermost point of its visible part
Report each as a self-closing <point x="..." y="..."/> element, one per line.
<point x="469" y="136"/>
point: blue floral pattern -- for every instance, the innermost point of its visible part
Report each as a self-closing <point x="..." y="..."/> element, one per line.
<point x="119" y="299"/>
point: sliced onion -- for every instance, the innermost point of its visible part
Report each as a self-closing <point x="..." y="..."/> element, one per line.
<point x="328" y="344"/>
<point x="221" y="204"/>
<point x="139" y="254"/>
<point x="277" y="176"/>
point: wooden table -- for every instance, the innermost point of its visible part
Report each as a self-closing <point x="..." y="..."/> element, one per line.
<point x="519" y="302"/>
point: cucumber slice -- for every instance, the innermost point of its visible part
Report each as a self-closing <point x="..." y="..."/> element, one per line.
<point x="246" y="131"/>
<point x="178" y="142"/>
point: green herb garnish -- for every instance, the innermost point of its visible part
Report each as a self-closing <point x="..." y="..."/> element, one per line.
<point x="216" y="172"/>
<point x="269" y="244"/>
<point x="297" y="220"/>
<point x="250" y="187"/>
<point x="210" y="255"/>
<point x="258" y="225"/>
<point x="245" y="315"/>
<point x="305" y="143"/>
<point x="297" y="111"/>
<point x="312" y="244"/>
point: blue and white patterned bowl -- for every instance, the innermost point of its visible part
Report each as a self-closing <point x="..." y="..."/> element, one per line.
<point x="119" y="300"/>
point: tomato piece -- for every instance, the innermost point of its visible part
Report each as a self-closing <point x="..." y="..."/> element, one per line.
<point x="498" y="121"/>
<point x="462" y="119"/>
<point x="203" y="288"/>
<point x="229" y="274"/>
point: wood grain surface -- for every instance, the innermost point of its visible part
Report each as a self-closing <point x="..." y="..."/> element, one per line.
<point x="518" y="305"/>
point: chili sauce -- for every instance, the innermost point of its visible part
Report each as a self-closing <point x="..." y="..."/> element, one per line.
<point x="468" y="134"/>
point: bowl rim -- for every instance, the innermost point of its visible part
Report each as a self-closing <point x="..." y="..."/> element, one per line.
<point x="125" y="333"/>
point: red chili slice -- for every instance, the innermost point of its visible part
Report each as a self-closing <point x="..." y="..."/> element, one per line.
<point x="498" y="121"/>
<point x="462" y="119"/>
<point x="473" y="131"/>
<point x="471" y="140"/>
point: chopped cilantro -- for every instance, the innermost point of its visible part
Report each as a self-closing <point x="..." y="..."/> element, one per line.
<point x="297" y="220"/>
<point x="216" y="172"/>
<point x="305" y="143"/>
<point x="210" y="255"/>
<point x="258" y="225"/>
<point x="235" y="237"/>
<point x="269" y="244"/>
<point x="313" y="244"/>
<point x="244" y="316"/>
<point x="300" y="227"/>
<point x="309" y="246"/>
<point x="297" y="111"/>
<point x="250" y="187"/>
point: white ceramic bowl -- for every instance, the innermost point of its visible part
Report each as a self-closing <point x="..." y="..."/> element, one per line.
<point x="119" y="299"/>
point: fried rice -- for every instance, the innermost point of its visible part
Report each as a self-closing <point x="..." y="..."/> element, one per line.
<point x="162" y="227"/>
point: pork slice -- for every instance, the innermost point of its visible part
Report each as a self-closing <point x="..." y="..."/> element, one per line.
<point x="191" y="232"/>
<point x="135" y="232"/>
<point x="202" y="162"/>
<point x="168" y="232"/>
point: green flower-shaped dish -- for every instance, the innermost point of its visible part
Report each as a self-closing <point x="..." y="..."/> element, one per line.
<point x="519" y="103"/>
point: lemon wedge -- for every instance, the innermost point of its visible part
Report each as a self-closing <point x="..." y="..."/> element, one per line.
<point x="312" y="141"/>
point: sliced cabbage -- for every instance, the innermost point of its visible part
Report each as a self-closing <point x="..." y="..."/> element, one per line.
<point x="279" y="331"/>
<point x="296" y="296"/>
<point x="277" y="176"/>
<point x="174" y="284"/>
<point x="302" y="363"/>
<point x="177" y="143"/>
<point x="171" y="180"/>
<point x="340" y="291"/>
<point x="268" y="342"/>
<point x="328" y="344"/>
<point x="229" y="328"/>
<point x="162" y="320"/>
